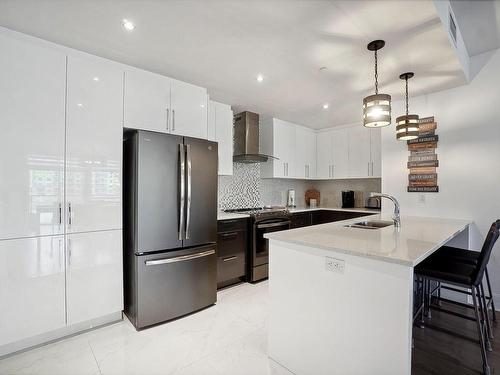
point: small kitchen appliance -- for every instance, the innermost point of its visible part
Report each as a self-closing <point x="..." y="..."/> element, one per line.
<point x="348" y="199"/>
<point x="290" y="202"/>
<point x="373" y="202"/>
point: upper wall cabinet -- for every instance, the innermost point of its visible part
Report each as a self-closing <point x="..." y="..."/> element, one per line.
<point x="146" y="101"/>
<point x="359" y="152"/>
<point x="32" y="97"/>
<point x="352" y="152"/>
<point x="220" y="130"/>
<point x="188" y="104"/>
<point x="93" y="145"/>
<point x="305" y="153"/>
<point x="376" y="152"/>
<point x="332" y="154"/>
<point x="157" y="103"/>
<point x="277" y="138"/>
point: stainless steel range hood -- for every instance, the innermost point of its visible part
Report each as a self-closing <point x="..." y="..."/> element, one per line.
<point x="246" y="139"/>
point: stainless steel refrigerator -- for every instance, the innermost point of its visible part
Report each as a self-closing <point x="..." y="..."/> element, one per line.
<point x="170" y="225"/>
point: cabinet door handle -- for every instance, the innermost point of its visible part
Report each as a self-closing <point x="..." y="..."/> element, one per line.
<point x="168" y="118"/>
<point x="69" y="252"/>
<point x="70" y="214"/>
<point x="372" y="168"/>
<point x="333" y="170"/>
<point x="60" y="214"/>
<point x="284" y="169"/>
<point x="173" y="120"/>
<point x="229" y="235"/>
<point x="368" y="173"/>
<point x="287" y="169"/>
<point x="228" y="259"/>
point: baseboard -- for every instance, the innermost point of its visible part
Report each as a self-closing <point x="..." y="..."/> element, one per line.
<point x="16" y="347"/>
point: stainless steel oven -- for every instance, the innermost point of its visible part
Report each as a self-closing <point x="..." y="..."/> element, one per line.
<point x="259" y="268"/>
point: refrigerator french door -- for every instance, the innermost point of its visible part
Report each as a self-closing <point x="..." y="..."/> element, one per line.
<point x="170" y="220"/>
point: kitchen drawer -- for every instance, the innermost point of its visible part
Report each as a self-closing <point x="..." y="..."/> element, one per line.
<point x="230" y="243"/>
<point x="230" y="267"/>
<point x="299" y="220"/>
<point x="232" y="225"/>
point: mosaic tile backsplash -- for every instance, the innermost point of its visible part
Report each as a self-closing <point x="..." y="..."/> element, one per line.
<point x="245" y="189"/>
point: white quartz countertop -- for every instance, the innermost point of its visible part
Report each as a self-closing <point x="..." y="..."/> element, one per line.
<point x="417" y="238"/>
<point x="230" y="216"/>
<point x="355" y="209"/>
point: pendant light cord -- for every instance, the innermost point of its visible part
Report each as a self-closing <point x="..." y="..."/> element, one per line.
<point x="376" y="73"/>
<point x="406" y="96"/>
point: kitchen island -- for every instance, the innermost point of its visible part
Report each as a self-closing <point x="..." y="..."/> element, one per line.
<point x="341" y="297"/>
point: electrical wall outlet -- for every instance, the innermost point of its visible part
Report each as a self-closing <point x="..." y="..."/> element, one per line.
<point x="334" y="265"/>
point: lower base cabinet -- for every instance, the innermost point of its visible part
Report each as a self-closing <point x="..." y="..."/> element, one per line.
<point x="232" y="244"/>
<point x="328" y="216"/>
<point x="94" y="275"/>
<point x="32" y="287"/>
<point x="49" y="283"/>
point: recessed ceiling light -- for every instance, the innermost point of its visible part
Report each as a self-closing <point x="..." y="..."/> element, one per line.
<point x="96" y="79"/>
<point x="80" y="105"/>
<point x="260" y="78"/>
<point x="326" y="105"/>
<point x="128" y="25"/>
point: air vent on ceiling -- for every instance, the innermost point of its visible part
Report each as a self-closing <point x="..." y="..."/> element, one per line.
<point x="452" y="27"/>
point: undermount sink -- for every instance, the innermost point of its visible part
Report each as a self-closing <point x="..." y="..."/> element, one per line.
<point x="373" y="224"/>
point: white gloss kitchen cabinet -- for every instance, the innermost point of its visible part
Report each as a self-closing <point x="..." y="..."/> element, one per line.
<point x="94" y="274"/>
<point x="332" y="154"/>
<point x="220" y="130"/>
<point x="351" y="152"/>
<point x="158" y="103"/>
<point x="32" y="287"/>
<point x="93" y="145"/>
<point x="305" y="153"/>
<point x="60" y="173"/>
<point x="277" y="138"/>
<point x="32" y="100"/>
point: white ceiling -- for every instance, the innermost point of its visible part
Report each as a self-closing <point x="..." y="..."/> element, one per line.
<point x="478" y="21"/>
<point x="223" y="45"/>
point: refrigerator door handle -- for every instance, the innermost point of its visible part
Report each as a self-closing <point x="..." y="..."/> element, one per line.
<point x="182" y="189"/>
<point x="189" y="189"/>
<point x="182" y="258"/>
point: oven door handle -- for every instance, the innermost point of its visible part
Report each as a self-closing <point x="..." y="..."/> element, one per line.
<point x="273" y="225"/>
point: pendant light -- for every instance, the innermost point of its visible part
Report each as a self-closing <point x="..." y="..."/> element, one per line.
<point x="376" y="108"/>
<point x="407" y="125"/>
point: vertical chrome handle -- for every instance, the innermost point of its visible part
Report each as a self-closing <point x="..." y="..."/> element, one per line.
<point x="372" y="168"/>
<point x="182" y="189"/>
<point x="368" y="173"/>
<point x="69" y="251"/>
<point x="284" y="169"/>
<point x="305" y="170"/>
<point x="70" y="219"/>
<point x="168" y="118"/>
<point x="287" y="169"/>
<point x="173" y="120"/>
<point x="333" y="170"/>
<point x="189" y="185"/>
<point x="60" y="214"/>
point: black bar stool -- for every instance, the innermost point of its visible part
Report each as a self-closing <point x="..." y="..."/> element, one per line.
<point x="465" y="275"/>
<point x="455" y="254"/>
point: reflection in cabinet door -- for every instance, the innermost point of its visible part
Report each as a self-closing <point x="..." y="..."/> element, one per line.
<point x="94" y="276"/>
<point x="31" y="287"/>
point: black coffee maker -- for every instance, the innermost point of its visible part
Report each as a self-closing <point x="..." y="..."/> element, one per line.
<point x="348" y="199"/>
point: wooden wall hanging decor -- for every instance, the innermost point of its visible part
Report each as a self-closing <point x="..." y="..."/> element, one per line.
<point x="423" y="160"/>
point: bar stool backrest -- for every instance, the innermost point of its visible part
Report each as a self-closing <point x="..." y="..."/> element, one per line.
<point x="484" y="257"/>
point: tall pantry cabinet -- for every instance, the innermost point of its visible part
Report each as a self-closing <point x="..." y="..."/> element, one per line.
<point x="60" y="189"/>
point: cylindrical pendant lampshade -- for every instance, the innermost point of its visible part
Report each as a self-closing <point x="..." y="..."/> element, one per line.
<point x="407" y="127"/>
<point x="377" y="110"/>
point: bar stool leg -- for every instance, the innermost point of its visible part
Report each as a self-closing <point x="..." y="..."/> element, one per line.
<point x="422" y="298"/>
<point x="491" y="295"/>
<point x="485" y="312"/>
<point x="429" y="299"/>
<point x="486" y="367"/>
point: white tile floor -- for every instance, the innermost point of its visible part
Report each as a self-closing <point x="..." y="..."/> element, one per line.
<point x="228" y="338"/>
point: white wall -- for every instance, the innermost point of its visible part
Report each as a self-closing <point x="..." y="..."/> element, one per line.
<point x="468" y="120"/>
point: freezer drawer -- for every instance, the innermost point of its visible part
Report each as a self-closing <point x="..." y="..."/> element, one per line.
<point x="172" y="284"/>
